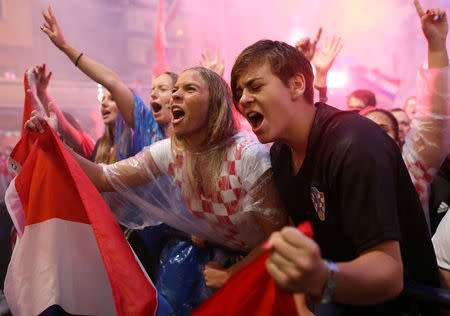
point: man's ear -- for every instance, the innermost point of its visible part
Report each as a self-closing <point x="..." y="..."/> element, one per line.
<point x="297" y="86"/>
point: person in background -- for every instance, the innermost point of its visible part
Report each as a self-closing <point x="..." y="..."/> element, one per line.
<point x="410" y="106"/>
<point x="147" y="126"/>
<point x="386" y="120"/>
<point x="404" y="124"/>
<point x="361" y="99"/>
<point x="104" y="150"/>
<point x="70" y="132"/>
<point x="428" y="140"/>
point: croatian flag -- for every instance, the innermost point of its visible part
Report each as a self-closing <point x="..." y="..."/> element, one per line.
<point x="160" y="43"/>
<point x="71" y="256"/>
<point x="252" y="291"/>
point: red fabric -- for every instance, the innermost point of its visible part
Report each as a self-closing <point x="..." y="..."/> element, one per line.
<point x="161" y="61"/>
<point x="251" y="291"/>
<point x="51" y="184"/>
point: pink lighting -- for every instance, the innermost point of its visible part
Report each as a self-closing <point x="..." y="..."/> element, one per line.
<point x="337" y="79"/>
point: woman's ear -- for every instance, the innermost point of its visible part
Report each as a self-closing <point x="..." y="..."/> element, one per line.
<point x="297" y="86"/>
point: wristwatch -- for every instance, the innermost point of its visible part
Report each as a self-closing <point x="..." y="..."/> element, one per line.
<point x="322" y="93"/>
<point x="330" y="285"/>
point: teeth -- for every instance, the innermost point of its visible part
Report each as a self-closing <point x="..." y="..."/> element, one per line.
<point x="252" y="114"/>
<point x="177" y="113"/>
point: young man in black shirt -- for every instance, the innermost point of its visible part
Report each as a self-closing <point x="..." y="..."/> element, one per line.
<point x="343" y="174"/>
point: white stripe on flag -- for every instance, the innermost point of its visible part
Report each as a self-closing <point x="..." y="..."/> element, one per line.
<point x="15" y="207"/>
<point x="58" y="262"/>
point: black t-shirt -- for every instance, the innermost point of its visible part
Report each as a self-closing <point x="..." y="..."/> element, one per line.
<point x="440" y="195"/>
<point x="356" y="191"/>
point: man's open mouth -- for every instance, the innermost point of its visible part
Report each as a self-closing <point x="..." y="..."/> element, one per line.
<point x="255" y="119"/>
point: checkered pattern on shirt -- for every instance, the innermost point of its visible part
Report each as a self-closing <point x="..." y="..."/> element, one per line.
<point x="218" y="207"/>
<point x="318" y="199"/>
<point x="421" y="178"/>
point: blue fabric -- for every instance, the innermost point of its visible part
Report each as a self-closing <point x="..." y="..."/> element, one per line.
<point x="145" y="131"/>
<point x="180" y="275"/>
<point x="164" y="309"/>
<point x="56" y="310"/>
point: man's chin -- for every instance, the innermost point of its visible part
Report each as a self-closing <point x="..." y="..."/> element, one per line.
<point x="264" y="138"/>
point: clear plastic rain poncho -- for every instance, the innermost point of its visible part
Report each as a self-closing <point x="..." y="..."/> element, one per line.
<point x="428" y="142"/>
<point x="153" y="187"/>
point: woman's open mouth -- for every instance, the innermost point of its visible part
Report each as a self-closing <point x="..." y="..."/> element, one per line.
<point x="177" y="115"/>
<point x="105" y="113"/>
<point x="156" y="107"/>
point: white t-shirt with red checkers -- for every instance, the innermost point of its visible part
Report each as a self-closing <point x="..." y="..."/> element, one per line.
<point x="226" y="209"/>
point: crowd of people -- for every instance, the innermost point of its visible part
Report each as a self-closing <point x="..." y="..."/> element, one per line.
<point x="185" y="181"/>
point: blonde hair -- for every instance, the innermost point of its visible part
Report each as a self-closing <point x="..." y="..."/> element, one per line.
<point x="107" y="149"/>
<point x="221" y="127"/>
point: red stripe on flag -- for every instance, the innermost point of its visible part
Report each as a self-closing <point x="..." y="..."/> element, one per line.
<point x="251" y="291"/>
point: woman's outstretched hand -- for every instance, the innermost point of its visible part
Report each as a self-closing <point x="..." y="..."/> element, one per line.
<point x="51" y="28"/>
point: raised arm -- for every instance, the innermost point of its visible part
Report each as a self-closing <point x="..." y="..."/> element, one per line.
<point x="430" y="126"/>
<point x="127" y="173"/>
<point x="75" y="139"/>
<point x="308" y="47"/>
<point x="324" y="59"/>
<point x="216" y="64"/>
<point x="94" y="70"/>
<point x="435" y="28"/>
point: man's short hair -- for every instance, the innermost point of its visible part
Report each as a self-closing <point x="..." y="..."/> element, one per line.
<point x="284" y="60"/>
<point x="366" y="96"/>
<point x="397" y="110"/>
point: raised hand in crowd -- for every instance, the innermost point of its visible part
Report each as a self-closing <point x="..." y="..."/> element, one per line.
<point x="431" y="126"/>
<point x="42" y="78"/>
<point x="37" y="121"/>
<point x="308" y="47"/>
<point x="42" y="82"/>
<point x="435" y="28"/>
<point x="324" y="59"/>
<point x="122" y="95"/>
<point x="73" y="136"/>
<point x="215" y="63"/>
<point x="51" y="28"/>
